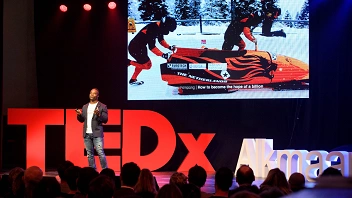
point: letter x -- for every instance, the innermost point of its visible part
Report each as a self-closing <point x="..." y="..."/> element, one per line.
<point x="196" y="150"/>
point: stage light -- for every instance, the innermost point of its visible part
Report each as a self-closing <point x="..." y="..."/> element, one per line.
<point x="87" y="7"/>
<point x="112" y="5"/>
<point x="63" y="8"/>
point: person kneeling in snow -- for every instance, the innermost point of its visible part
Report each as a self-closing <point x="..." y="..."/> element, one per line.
<point x="147" y="36"/>
<point x="271" y="12"/>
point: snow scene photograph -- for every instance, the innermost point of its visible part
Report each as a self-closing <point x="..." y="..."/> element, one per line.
<point x="157" y="28"/>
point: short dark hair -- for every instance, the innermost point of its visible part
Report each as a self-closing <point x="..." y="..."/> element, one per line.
<point x="86" y="175"/>
<point x="62" y="168"/>
<point x="190" y="191"/>
<point x="129" y="174"/>
<point x="108" y="172"/>
<point x="71" y="175"/>
<point x="223" y="178"/>
<point x="245" y="175"/>
<point x="331" y="171"/>
<point x="97" y="90"/>
<point x="297" y="181"/>
<point x="101" y="187"/>
<point x="197" y="176"/>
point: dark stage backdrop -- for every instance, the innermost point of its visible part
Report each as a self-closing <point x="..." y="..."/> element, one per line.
<point x="19" y="69"/>
<point x="76" y="51"/>
<point x="1" y="74"/>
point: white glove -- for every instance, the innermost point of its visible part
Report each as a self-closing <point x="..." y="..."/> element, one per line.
<point x="166" y="55"/>
<point x="172" y="48"/>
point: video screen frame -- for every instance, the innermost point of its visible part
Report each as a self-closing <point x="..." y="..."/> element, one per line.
<point x="254" y="49"/>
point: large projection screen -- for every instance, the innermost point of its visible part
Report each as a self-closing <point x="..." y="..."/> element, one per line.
<point x="233" y="49"/>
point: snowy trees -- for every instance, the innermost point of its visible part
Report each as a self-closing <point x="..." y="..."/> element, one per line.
<point x="133" y="9"/>
<point x="245" y="7"/>
<point x="194" y="8"/>
<point x="187" y="9"/>
<point x="215" y="9"/>
<point x="305" y="11"/>
<point x="147" y="10"/>
<point x="224" y="9"/>
<point x="180" y="9"/>
<point x="304" y="15"/>
<point x="152" y="9"/>
<point x="288" y="17"/>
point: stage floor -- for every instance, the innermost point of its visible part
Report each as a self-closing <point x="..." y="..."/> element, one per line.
<point x="164" y="177"/>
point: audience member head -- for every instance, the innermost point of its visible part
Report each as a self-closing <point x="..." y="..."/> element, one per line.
<point x="145" y="182"/>
<point x="13" y="174"/>
<point x="71" y="175"/>
<point x="245" y="175"/>
<point x="271" y="192"/>
<point x="101" y="187"/>
<point x="277" y="178"/>
<point x="62" y="168"/>
<point x="32" y="176"/>
<point x="197" y="176"/>
<point x="85" y="176"/>
<point x="297" y="182"/>
<point x="331" y="172"/>
<point x="18" y="185"/>
<point x="108" y="172"/>
<point x="190" y="191"/>
<point x="178" y="178"/>
<point x="48" y="187"/>
<point x="169" y="191"/>
<point x="244" y="194"/>
<point x="129" y="174"/>
<point x="111" y="173"/>
<point x="223" y="179"/>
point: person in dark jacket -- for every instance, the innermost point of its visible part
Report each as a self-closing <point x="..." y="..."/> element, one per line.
<point x="147" y="36"/>
<point x="93" y="115"/>
<point x="245" y="24"/>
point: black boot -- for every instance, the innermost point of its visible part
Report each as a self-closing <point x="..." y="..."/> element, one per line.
<point x="135" y="82"/>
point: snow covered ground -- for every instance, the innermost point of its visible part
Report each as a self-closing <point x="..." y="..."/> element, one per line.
<point x="295" y="45"/>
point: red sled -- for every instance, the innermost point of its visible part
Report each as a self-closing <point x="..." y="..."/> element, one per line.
<point x="208" y="71"/>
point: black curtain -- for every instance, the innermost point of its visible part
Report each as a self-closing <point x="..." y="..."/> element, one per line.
<point x="2" y="83"/>
<point x="331" y="72"/>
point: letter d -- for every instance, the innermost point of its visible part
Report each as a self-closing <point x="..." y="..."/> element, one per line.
<point x="133" y="120"/>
